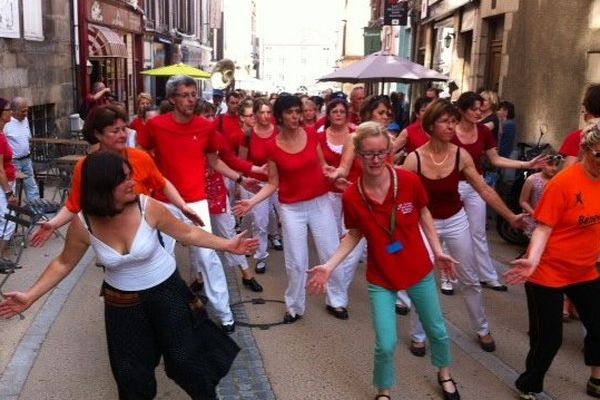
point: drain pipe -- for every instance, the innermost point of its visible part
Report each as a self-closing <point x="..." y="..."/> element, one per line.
<point x="75" y="54"/>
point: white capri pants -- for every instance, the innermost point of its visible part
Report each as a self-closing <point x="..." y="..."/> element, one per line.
<point x="475" y="207"/>
<point x="265" y="222"/>
<point x="296" y="219"/>
<point x="224" y="225"/>
<point x="455" y="235"/>
<point x="206" y="261"/>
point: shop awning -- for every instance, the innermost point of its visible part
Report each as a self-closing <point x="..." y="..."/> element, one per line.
<point x="104" y="42"/>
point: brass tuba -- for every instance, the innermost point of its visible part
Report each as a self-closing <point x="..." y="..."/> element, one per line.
<point x="223" y="75"/>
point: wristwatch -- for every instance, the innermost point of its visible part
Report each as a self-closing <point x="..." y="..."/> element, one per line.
<point x="239" y="179"/>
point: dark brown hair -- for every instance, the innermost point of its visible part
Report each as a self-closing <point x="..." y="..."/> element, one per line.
<point x="435" y="110"/>
<point x="101" y="173"/>
<point x="99" y="118"/>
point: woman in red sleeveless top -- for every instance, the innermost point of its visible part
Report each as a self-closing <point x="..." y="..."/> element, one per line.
<point x="440" y="164"/>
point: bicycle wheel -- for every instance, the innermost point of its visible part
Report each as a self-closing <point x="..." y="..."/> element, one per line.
<point x="511" y="235"/>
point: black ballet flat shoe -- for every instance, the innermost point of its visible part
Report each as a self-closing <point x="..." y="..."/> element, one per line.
<point x="339" y="312"/>
<point x="252" y="284"/>
<point x="289" y="319"/>
<point x="448" y="395"/>
<point x="382" y="396"/>
<point x="402" y="309"/>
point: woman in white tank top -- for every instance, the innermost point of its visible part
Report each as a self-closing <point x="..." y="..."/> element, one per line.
<point x="149" y="311"/>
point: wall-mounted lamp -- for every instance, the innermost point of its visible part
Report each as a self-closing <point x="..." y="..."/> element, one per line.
<point x="89" y="67"/>
<point x="448" y="40"/>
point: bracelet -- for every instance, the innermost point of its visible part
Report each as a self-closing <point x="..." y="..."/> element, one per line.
<point x="239" y="179"/>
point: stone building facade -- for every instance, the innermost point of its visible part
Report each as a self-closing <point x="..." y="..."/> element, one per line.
<point x="540" y="55"/>
<point x="36" y="61"/>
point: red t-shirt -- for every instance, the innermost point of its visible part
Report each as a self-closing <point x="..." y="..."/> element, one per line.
<point x="354" y="117"/>
<point x="180" y="152"/>
<point x="258" y="152"/>
<point x="484" y="142"/>
<point x="137" y="124"/>
<point x="146" y="177"/>
<point x="416" y="137"/>
<point x="570" y="206"/>
<point x="332" y="158"/>
<point x="409" y="266"/>
<point x="7" y="155"/>
<point x="229" y="156"/>
<point x="301" y="175"/>
<point x="572" y="144"/>
<point x="230" y="127"/>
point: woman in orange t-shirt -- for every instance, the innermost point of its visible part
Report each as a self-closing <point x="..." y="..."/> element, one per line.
<point x="561" y="259"/>
<point x="105" y="126"/>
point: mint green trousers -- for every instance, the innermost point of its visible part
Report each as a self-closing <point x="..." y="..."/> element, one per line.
<point x="425" y="299"/>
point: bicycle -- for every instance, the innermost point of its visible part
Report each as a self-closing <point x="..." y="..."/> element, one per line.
<point x="511" y="192"/>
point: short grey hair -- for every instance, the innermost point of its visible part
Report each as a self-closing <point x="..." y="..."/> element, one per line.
<point x="176" y="81"/>
<point x="17" y="102"/>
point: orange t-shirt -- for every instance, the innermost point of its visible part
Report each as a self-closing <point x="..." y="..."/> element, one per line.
<point x="570" y="205"/>
<point x="146" y="176"/>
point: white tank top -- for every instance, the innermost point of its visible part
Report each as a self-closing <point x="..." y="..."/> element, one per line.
<point x="146" y="265"/>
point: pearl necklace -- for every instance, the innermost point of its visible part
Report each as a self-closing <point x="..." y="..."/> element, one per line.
<point x="441" y="162"/>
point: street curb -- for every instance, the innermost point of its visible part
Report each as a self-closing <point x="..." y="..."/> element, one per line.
<point x="15" y="375"/>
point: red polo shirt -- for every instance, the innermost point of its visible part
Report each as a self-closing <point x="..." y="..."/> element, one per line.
<point x="405" y="268"/>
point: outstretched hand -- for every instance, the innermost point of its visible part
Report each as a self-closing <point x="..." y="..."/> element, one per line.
<point x="520" y="272"/>
<point x="241" y="208"/>
<point x="519" y="222"/>
<point x="239" y="244"/>
<point x="331" y="172"/>
<point x="41" y="235"/>
<point x="250" y="184"/>
<point x="14" y="303"/>
<point x="192" y="216"/>
<point x="447" y="264"/>
<point x="317" y="283"/>
<point x="538" y="162"/>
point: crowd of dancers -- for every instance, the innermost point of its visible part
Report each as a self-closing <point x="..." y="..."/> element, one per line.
<point x="288" y="165"/>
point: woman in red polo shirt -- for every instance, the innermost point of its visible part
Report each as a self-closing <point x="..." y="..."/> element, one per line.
<point x="296" y="167"/>
<point x="386" y="206"/>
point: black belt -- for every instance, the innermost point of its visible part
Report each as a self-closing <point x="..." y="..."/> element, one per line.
<point x="22" y="158"/>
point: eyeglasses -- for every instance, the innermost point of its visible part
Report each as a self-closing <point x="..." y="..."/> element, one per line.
<point x="7" y="109"/>
<point x="247" y="115"/>
<point x="192" y="95"/>
<point x="343" y="112"/>
<point x="371" y="155"/>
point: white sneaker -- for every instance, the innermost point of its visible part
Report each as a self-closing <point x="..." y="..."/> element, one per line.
<point x="447" y="288"/>
<point x="261" y="266"/>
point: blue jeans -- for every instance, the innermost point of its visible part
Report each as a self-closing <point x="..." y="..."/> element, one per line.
<point x="425" y="299"/>
<point x="31" y="189"/>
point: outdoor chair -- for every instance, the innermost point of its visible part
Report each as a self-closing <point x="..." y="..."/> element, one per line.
<point x="23" y="219"/>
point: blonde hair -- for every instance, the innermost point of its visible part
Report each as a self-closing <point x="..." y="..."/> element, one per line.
<point x="367" y="130"/>
<point x="144" y="95"/>
<point x="492" y="97"/>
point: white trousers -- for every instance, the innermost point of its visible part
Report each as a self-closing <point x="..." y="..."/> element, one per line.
<point x="206" y="261"/>
<point x="475" y="207"/>
<point x="350" y="264"/>
<point x="224" y="225"/>
<point x="265" y="222"/>
<point x="296" y="218"/>
<point x="455" y="235"/>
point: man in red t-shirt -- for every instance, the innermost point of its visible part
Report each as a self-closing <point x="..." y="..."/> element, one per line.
<point x="591" y="115"/>
<point x="182" y="142"/>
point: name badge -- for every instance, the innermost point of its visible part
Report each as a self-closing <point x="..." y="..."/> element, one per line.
<point x="395" y="247"/>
